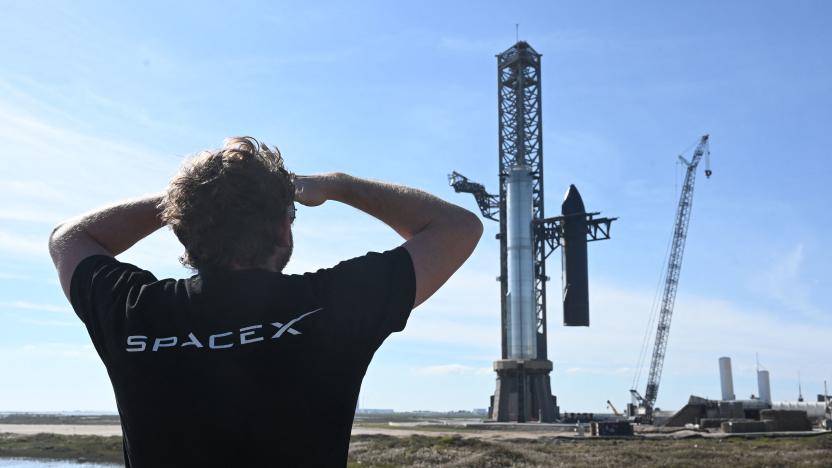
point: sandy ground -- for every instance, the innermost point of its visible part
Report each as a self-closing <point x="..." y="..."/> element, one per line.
<point x="404" y="432"/>
<point x="68" y="429"/>
<point x="114" y="430"/>
<point x="111" y="430"/>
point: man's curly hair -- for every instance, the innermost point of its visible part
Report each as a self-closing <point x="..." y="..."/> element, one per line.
<point x="226" y="206"/>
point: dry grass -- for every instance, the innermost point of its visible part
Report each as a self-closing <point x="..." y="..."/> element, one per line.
<point x="386" y="451"/>
<point x="36" y="418"/>
<point x="456" y="451"/>
<point x="63" y="447"/>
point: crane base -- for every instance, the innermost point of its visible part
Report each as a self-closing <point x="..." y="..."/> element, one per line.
<point x="523" y="392"/>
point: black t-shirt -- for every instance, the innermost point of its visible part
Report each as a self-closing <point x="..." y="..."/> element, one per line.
<point x="241" y="368"/>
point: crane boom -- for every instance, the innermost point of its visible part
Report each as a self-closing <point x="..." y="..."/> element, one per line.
<point x="613" y="408"/>
<point x="674" y="267"/>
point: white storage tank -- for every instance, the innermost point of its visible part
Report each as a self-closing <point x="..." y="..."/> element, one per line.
<point x="813" y="409"/>
<point x="764" y="386"/>
<point x="726" y="379"/>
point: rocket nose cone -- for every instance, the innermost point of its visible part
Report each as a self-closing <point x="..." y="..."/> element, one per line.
<point x="572" y="202"/>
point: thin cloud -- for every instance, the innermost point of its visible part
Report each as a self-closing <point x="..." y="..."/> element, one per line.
<point x="476" y="47"/>
<point x="609" y="371"/>
<point x="443" y="331"/>
<point x="31" y="189"/>
<point x="62" y="350"/>
<point x="12" y="276"/>
<point x="24" y="305"/>
<point x="784" y="282"/>
<point x="732" y="329"/>
<point x="552" y="42"/>
<point x="50" y="323"/>
<point x="16" y="243"/>
<point x="451" y="369"/>
<point x="59" y="153"/>
<point x="29" y="214"/>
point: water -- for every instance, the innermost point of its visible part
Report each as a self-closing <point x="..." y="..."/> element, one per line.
<point x="32" y="463"/>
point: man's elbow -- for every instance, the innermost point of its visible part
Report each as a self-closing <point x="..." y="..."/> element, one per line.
<point x="62" y="235"/>
<point x="55" y="240"/>
<point x="473" y="226"/>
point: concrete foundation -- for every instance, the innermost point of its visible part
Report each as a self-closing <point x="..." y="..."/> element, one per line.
<point x="731" y="410"/>
<point x="523" y="393"/>
<point x="786" y="420"/>
<point x="738" y="427"/>
<point x="612" y="429"/>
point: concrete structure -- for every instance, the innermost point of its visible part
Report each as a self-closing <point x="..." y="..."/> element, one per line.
<point x="523" y="392"/>
<point x="744" y="427"/>
<point x="731" y="409"/>
<point x="726" y="379"/>
<point x="702" y="408"/>
<point x="785" y="420"/>
<point x="734" y="414"/>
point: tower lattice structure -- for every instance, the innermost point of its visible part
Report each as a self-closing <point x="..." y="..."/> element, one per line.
<point x="523" y="391"/>
<point x="520" y="114"/>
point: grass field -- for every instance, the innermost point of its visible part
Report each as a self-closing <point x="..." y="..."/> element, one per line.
<point x="62" y="447"/>
<point x="419" y="450"/>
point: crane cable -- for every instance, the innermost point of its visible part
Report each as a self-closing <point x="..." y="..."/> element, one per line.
<point x="654" y="308"/>
<point x="654" y="313"/>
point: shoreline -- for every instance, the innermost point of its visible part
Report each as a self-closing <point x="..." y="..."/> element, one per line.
<point x="101" y="430"/>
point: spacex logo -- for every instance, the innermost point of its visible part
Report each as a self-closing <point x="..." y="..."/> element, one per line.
<point x="223" y="340"/>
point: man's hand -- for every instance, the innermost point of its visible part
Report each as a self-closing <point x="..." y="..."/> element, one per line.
<point x="313" y="190"/>
<point x="439" y="236"/>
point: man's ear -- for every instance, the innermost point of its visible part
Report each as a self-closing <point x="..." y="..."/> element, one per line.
<point x="285" y="238"/>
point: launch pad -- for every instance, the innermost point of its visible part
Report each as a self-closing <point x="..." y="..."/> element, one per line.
<point x="527" y="238"/>
<point x="523" y="392"/>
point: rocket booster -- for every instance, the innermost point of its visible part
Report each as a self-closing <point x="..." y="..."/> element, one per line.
<point x="521" y="311"/>
<point x="573" y="256"/>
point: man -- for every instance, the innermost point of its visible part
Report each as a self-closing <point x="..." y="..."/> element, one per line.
<point x="240" y="364"/>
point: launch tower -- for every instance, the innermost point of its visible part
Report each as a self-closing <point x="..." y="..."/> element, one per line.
<point x="527" y="238"/>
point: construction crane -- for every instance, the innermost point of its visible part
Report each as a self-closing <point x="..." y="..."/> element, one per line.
<point x="612" y="407"/>
<point x="641" y="408"/>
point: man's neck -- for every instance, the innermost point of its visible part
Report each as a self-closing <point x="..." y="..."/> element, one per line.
<point x="275" y="263"/>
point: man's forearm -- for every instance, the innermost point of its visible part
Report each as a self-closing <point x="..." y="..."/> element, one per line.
<point x="117" y="227"/>
<point x="406" y="210"/>
<point x="439" y="236"/>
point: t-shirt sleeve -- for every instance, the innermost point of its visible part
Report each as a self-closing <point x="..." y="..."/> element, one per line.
<point x="100" y="291"/>
<point x="373" y="294"/>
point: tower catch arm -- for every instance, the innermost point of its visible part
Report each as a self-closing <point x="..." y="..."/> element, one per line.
<point x="551" y="229"/>
<point x="489" y="204"/>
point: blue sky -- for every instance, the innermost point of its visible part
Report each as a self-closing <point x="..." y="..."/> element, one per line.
<point x="103" y="101"/>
